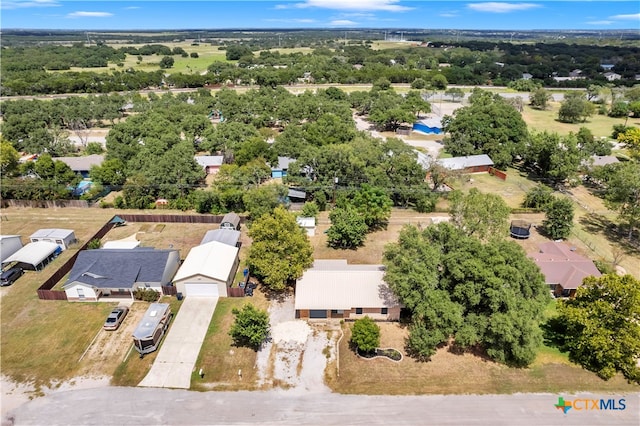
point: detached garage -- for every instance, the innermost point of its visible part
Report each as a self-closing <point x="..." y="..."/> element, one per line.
<point x="207" y="270"/>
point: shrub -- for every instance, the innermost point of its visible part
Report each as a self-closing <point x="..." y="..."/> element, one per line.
<point x="365" y="335"/>
<point x="146" y="294"/>
<point x="93" y="244"/>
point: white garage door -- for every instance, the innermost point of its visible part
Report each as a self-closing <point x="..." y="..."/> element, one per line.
<point x="201" y="290"/>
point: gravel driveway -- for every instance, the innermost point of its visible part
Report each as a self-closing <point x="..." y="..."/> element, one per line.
<point x="297" y="353"/>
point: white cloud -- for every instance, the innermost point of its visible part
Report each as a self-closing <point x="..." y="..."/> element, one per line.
<point x="132" y="7"/>
<point x="383" y="5"/>
<point x="498" y="7"/>
<point x="81" y="14"/>
<point x="27" y="4"/>
<point x="599" y="22"/>
<point x="631" y="17"/>
<point x="342" y="23"/>
<point x="449" y="15"/>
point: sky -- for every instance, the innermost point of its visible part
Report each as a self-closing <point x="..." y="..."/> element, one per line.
<point x="268" y="14"/>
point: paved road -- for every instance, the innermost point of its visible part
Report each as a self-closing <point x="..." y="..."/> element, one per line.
<point x="176" y="360"/>
<point x="143" y="406"/>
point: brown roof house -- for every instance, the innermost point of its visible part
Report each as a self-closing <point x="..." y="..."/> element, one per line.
<point x="563" y="268"/>
<point x="335" y="289"/>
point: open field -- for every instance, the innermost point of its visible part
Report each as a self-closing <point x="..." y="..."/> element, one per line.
<point x="600" y="125"/>
<point x="511" y="190"/>
<point x="458" y="373"/>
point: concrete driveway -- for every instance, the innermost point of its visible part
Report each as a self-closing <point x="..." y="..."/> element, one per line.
<point x="177" y="357"/>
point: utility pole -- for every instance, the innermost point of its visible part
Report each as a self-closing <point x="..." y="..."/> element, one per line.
<point x="335" y="185"/>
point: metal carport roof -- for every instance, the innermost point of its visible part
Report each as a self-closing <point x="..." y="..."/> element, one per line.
<point x="33" y="253"/>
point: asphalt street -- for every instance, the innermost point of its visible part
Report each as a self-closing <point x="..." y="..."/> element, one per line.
<point x="147" y="406"/>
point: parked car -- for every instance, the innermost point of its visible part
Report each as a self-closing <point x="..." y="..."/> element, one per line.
<point x="115" y="318"/>
<point x="10" y="275"/>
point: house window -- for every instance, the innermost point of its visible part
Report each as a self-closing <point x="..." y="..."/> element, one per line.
<point x="358" y="311"/>
<point x="384" y="311"/>
<point x="81" y="293"/>
<point x="334" y="311"/>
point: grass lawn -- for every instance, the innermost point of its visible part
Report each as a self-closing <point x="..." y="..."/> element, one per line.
<point x="219" y="359"/>
<point x="600" y="125"/>
<point x="511" y="190"/>
<point x="457" y="373"/>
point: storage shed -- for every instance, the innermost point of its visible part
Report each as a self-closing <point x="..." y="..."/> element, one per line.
<point x="207" y="270"/>
<point x="62" y="237"/>
<point x="229" y="237"/>
<point x="230" y="221"/>
<point x="9" y="244"/>
<point x="308" y="224"/>
<point x="210" y="163"/>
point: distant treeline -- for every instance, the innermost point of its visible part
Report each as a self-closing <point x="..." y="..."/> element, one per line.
<point x="26" y="70"/>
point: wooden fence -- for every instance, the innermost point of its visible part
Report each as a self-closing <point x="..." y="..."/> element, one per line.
<point x="174" y="218"/>
<point x="497" y="173"/>
<point x="45" y="204"/>
<point x="235" y="292"/>
<point x="45" y="291"/>
<point x="169" y="290"/>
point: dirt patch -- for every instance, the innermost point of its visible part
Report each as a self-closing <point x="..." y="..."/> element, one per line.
<point x="110" y="348"/>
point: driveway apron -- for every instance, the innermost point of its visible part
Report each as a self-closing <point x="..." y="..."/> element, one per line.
<point x="178" y="354"/>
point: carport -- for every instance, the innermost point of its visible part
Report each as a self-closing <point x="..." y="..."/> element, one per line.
<point x="34" y="256"/>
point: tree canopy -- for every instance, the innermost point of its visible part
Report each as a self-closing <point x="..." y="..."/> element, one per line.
<point x="251" y="326"/>
<point x="365" y="334"/>
<point x="280" y="251"/>
<point x="478" y="214"/>
<point x="484" y="295"/>
<point x="488" y="126"/>
<point x="600" y="327"/>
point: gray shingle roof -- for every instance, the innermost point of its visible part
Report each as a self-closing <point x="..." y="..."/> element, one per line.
<point x="119" y="268"/>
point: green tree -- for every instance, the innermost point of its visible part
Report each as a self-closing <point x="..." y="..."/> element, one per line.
<point x="348" y="229"/>
<point x="455" y="93"/>
<point x="575" y="108"/>
<point x="622" y="191"/>
<point x="94" y="148"/>
<point x="263" y="199"/>
<point x="619" y="109"/>
<point x="310" y="209"/>
<point x="110" y="172"/>
<point x="558" y="218"/>
<point x="600" y="327"/>
<point x="488" y="126"/>
<point x="8" y="159"/>
<point x="439" y="82"/>
<point x="538" y="197"/>
<point x="280" y="251"/>
<point x="631" y="140"/>
<point x="166" y="62"/>
<point x="250" y="328"/>
<point x="374" y="205"/>
<point x="365" y="334"/>
<point x="592" y="145"/>
<point x="539" y="99"/>
<point x="478" y="214"/>
<point x="487" y="296"/>
<point x="418" y="83"/>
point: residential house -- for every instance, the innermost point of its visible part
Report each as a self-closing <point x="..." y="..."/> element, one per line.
<point x="469" y="164"/>
<point x="210" y="163"/>
<point x="62" y="237"/>
<point x="208" y="270"/>
<point x="82" y="165"/>
<point x="280" y="169"/>
<point x="334" y="289"/>
<point x="119" y="272"/>
<point x="563" y="268"/>
<point x="612" y="76"/>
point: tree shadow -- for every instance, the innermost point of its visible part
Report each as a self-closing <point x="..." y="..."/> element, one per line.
<point x="553" y="333"/>
<point x="594" y="223"/>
